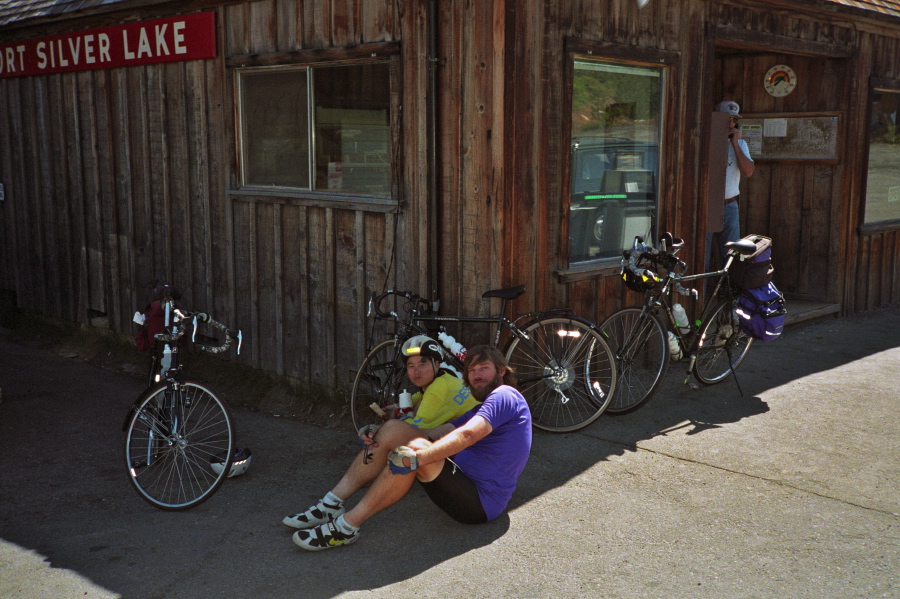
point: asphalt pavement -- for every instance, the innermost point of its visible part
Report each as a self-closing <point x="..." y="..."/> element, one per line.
<point x="790" y="490"/>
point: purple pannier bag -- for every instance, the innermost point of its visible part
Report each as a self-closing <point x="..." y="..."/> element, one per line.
<point x="761" y="312"/>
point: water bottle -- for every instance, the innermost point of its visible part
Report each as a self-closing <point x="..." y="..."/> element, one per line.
<point x="165" y="363"/>
<point x="455" y="347"/>
<point x="406" y="404"/>
<point x="674" y="348"/>
<point x="681" y="319"/>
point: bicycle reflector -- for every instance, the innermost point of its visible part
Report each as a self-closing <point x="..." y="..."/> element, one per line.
<point x="567" y="333"/>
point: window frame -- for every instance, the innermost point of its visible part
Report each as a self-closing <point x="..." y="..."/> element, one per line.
<point x="577" y="49"/>
<point x="876" y="84"/>
<point x="366" y="53"/>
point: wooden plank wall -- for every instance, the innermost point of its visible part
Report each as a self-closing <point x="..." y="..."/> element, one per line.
<point x="874" y="262"/>
<point x="798" y="203"/>
<point x="472" y="142"/>
<point x="117" y="181"/>
<point x="538" y="155"/>
<point x="120" y="180"/>
<point x="303" y="269"/>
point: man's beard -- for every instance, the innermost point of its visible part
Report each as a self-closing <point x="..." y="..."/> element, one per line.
<point x="482" y="393"/>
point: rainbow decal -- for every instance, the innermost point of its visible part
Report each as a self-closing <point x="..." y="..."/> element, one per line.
<point x="779" y="77"/>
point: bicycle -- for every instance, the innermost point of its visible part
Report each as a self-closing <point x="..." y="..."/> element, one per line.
<point x="180" y="435"/>
<point x="714" y="343"/>
<point x="565" y="369"/>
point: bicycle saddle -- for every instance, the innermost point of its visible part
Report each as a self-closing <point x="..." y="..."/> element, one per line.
<point x="742" y="246"/>
<point x="165" y="290"/>
<point x="507" y="294"/>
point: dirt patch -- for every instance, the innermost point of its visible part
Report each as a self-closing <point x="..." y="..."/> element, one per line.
<point x="244" y="387"/>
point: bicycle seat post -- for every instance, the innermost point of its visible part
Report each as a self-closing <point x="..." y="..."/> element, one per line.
<point x="503" y="302"/>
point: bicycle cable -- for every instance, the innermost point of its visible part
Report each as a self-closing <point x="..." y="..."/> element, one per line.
<point x="387" y="274"/>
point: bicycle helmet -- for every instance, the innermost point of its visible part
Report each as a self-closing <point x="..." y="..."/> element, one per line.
<point x="240" y="465"/>
<point x="642" y="282"/>
<point x="422" y="345"/>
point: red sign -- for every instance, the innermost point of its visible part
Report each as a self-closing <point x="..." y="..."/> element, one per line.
<point x="172" y="39"/>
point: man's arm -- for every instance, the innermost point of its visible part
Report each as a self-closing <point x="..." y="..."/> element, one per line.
<point x="450" y="440"/>
<point x="744" y="164"/>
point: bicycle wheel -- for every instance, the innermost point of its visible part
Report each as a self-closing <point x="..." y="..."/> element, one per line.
<point x="640" y="344"/>
<point x="175" y="433"/>
<point x="565" y="370"/>
<point x="723" y="345"/>
<point x="381" y="376"/>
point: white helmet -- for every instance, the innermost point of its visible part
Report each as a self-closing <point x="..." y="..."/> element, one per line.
<point x="422" y="345"/>
<point x="241" y="463"/>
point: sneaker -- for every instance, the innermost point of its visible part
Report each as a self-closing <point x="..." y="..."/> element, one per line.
<point x="321" y="513"/>
<point x="322" y="537"/>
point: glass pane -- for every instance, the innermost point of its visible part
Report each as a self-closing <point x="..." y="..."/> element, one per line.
<point x="353" y="133"/>
<point x="615" y="158"/>
<point x="275" y="128"/>
<point x="883" y="187"/>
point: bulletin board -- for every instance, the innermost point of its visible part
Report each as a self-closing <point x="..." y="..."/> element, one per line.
<point x="793" y="136"/>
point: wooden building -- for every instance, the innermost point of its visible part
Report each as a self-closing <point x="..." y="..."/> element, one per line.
<point x="280" y="160"/>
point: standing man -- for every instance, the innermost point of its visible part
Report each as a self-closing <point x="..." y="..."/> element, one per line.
<point x="739" y="163"/>
<point x="468" y="467"/>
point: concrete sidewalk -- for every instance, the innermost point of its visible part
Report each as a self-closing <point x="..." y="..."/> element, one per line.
<point x="788" y="491"/>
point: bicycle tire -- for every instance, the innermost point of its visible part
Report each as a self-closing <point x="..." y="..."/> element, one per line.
<point x="565" y="370"/>
<point x="381" y="376"/>
<point x="722" y="347"/>
<point x="171" y="440"/>
<point x="639" y="342"/>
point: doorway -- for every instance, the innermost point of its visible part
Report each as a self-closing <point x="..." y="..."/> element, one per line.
<point x="795" y="201"/>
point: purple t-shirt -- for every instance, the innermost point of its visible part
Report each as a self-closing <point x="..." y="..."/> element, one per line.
<point x="495" y="462"/>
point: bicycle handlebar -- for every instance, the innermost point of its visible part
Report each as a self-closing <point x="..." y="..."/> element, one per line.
<point x="181" y="319"/>
<point x="664" y="257"/>
<point x="376" y="299"/>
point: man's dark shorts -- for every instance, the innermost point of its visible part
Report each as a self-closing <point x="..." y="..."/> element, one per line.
<point x="456" y="494"/>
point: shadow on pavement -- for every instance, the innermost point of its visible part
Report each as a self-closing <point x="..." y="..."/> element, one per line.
<point x="64" y="493"/>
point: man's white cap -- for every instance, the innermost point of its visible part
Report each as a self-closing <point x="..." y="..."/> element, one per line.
<point x="731" y="108"/>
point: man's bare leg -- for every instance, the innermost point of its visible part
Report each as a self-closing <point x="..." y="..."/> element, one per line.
<point x="393" y="434"/>
<point x="388" y="488"/>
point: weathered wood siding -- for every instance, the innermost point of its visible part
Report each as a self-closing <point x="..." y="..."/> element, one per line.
<point x="119" y="180"/>
<point x="712" y="50"/>
<point x="303" y="267"/>
<point x="873" y="256"/>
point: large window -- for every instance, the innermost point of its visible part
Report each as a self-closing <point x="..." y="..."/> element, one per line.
<point x="883" y="182"/>
<point x="318" y="128"/>
<point x="616" y="120"/>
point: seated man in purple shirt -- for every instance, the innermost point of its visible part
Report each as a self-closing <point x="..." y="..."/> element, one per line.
<point x="469" y="467"/>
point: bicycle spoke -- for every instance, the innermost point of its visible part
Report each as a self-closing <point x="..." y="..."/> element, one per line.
<point x="379" y="379"/>
<point x="171" y="441"/>
<point x="565" y="371"/>
<point x="723" y="346"/>
<point x="638" y="341"/>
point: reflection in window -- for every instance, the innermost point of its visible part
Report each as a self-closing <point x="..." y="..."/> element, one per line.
<point x="883" y="182"/>
<point x="345" y="107"/>
<point x="615" y="158"/>
<point x="353" y="132"/>
<point x="275" y="128"/>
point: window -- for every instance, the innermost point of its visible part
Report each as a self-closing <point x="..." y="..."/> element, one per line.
<point x="616" y="131"/>
<point x="883" y="181"/>
<point x="317" y="128"/>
